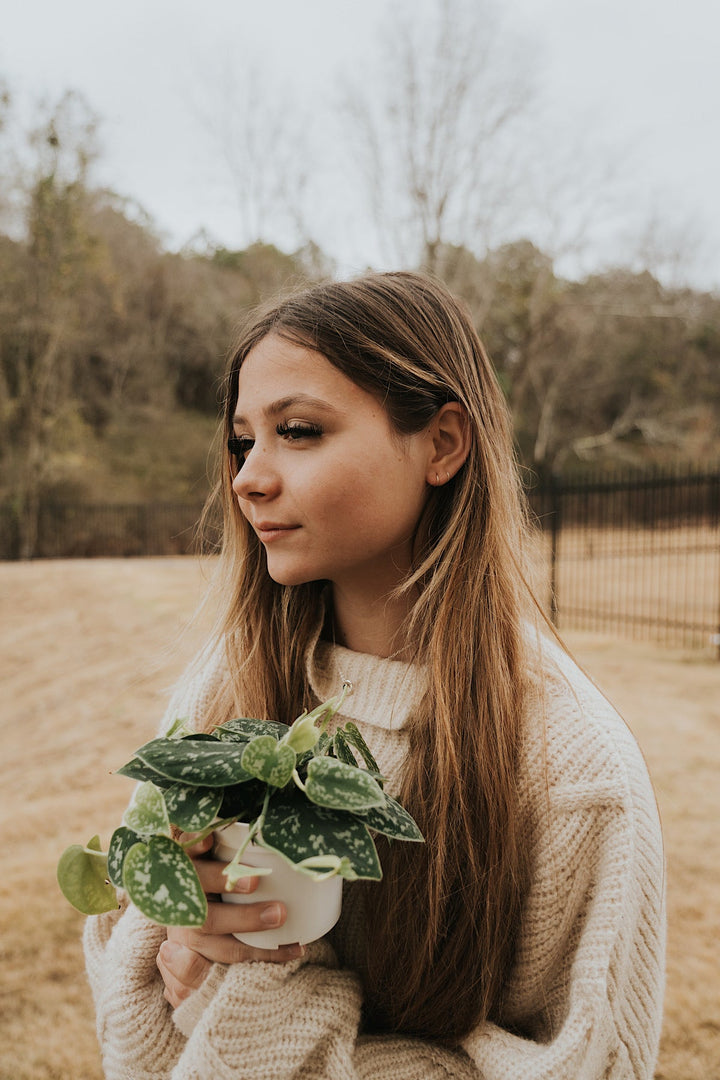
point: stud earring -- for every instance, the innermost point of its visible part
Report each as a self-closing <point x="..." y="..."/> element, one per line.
<point x="437" y="480"/>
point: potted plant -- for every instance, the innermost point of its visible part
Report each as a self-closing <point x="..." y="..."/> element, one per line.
<point x="293" y="795"/>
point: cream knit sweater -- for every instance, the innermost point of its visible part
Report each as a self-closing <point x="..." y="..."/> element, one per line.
<point x="587" y="984"/>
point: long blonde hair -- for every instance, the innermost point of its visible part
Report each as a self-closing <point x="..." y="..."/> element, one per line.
<point x="444" y="919"/>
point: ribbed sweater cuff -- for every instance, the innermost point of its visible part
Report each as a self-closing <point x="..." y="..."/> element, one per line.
<point x="187" y="1015"/>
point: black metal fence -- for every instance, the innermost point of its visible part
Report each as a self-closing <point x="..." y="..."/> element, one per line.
<point x="635" y="555"/>
<point x="89" y="530"/>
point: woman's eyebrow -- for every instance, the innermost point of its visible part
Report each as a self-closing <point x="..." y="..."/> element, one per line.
<point x="282" y="404"/>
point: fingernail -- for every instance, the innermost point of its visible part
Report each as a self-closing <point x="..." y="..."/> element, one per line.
<point x="271" y="915"/>
<point x="170" y="950"/>
<point x="245" y="885"/>
<point x="294" y="952"/>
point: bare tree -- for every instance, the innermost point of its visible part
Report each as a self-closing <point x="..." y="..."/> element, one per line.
<point x="672" y="245"/>
<point x="626" y="374"/>
<point x="261" y="136"/>
<point x="431" y="128"/>
<point x="51" y="262"/>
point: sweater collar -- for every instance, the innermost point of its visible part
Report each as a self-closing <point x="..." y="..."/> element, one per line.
<point x="384" y="692"/>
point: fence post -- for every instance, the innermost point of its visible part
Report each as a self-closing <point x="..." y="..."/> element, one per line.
<point x="9" y="531"/>
<point x="555" y="526"/>
<point x="714" y="518"/>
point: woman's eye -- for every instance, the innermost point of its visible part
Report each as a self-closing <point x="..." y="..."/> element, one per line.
<point x="296" y="430"/>
<point x="238" y="447"/>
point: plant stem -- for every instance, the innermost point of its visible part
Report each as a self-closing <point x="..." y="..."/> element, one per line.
<point x="199" y="837"/>
<point x="260" y="821"/>
<point x="253" y="830"/>
<point x="328" y="708"/>
<point x="298" y="781"/>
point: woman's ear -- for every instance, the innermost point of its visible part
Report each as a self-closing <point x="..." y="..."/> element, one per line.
<point x="451" y="441"/>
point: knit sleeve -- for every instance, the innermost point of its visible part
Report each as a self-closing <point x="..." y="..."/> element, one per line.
<point x="134" y="1021"/>
<point x="584" y="999"/>
<point x="301" y="1020"/>
<point x="590" y="1004"/>
<point x="137" y="1036"/>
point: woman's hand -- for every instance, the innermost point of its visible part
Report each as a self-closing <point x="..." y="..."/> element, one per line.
<point x="187" y="955"/>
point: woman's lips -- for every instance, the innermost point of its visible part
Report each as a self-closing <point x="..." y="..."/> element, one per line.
<point x="268" y="531"/>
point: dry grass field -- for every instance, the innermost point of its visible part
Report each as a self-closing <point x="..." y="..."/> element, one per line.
<point x="658" y="583"/>
<point x="88" y="650"/>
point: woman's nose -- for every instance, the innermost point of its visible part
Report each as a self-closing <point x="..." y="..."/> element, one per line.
<point x="256" y="479"/>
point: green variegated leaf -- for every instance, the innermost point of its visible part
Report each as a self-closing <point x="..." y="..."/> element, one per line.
<point x="197" y="763"/>
<point x="322" y="745"/>
<point x="298" y="831"/>
<point x="327" y="709"/>
<point x="138" y="770"/>
<point x="191" y="808"/>
<point x="269" y="761"/>
<point x="161" y="881"/>
<point x="393" y="820"/>
<point x="120" y="843"/>
<point x="83" y="879"/>
<point x="342" y="787"/>
<point x="147" y="813"/>
<point x="342" y="749"/>
<point x="353" y="736"/>
<point x="320" y="867"/>
<point x="223" y="734"/>
<point x="303" y="735"/>
<point x="247" y="728"/>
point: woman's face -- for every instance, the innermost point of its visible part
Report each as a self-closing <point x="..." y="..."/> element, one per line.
<point x="332" y="491"/>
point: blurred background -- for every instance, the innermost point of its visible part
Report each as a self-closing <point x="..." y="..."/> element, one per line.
<point x="165" y="166"/>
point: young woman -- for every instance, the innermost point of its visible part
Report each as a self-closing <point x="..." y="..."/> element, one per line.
<point x="374" y="533"/>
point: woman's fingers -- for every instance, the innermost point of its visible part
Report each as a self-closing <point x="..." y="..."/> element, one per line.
<point x="182" y="969"/>
<point x="244" y="918"/>
<point x="226" y="949"/>
<point x="197" y="849"/>
<point x="185" y="959"/>
<point x="210" y="871"/>
<point x="216" y="941"/>
<point x="213" y="881"/>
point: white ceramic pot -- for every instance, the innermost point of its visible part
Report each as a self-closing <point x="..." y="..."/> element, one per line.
<point x="313" y="907"/>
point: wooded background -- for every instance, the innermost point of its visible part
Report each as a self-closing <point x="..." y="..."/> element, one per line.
<point x="112" y="347"/>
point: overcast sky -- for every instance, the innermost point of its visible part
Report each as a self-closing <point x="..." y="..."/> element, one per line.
<point x="640" y="75"/>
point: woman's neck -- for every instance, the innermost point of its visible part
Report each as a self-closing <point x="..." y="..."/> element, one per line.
<point x="370" y="625"/>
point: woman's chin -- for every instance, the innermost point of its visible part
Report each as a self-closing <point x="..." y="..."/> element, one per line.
<point x="285" y="575"/>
